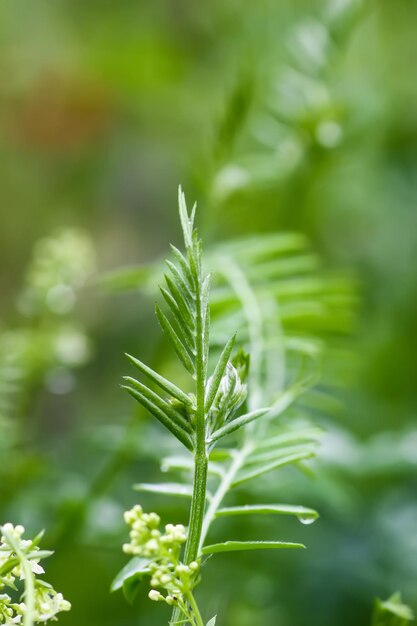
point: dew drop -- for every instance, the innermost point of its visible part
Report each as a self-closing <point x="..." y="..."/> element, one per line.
<point x="307" y="519"/>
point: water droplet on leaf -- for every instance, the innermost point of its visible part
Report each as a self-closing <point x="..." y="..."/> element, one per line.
<point x="307" y="518"/>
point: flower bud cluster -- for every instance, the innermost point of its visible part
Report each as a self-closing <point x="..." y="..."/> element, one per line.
<point x="163" y="550"/>
<point x="7" y="556"/>
<point x="146" y="539"/>
<point x="10" y="612"/>
<point x="175" y="580"/>
<point x="47" y="601"/>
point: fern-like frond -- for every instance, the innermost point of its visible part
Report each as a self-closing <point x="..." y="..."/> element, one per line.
<point x="268" y="289"/>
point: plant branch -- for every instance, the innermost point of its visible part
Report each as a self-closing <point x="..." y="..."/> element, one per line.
<point x="195" y="609"/>
<point x="223" y="488"/>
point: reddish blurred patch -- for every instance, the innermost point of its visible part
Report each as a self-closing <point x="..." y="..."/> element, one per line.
<point x="60" y="113"/>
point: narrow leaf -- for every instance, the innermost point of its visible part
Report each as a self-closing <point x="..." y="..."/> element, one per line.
<point x="185" y="285"/>
<point x="233" y="546"/>
<point x="275" y="454"/>
<point x="182" y="262"/>
<point x="304" y="514"/>
<point x="284" y="400"/>
<point x="230" y="427"/>
<point x="282" y="267"/>
<point x="205" y="312"/>
<point x="162" y="382"/>
<point x="256" y="247"/>
<point x="178" y="346"/>
<point x="39" y="554"/>
<point x="169" y="489"/>
<point x="218" y="373"/>
<point x="305" y="435"/>
<point x="183" y="329"/>
<point x="186" y="222"/>
<point x="176" y="430"/>
<point x="162" y="404"/>
<point x="269" y="467"/>
<point x="182" y="297"/>
<point x="206" y="339"/>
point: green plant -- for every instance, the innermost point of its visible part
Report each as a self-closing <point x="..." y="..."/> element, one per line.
<point x="43" y="348"/>
<point x="20" y="561"/>
<point x="392" y="612"/>
<point x="237" y="406"/>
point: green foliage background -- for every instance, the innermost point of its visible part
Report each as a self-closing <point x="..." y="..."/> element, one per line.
<point x="274" y="116"/>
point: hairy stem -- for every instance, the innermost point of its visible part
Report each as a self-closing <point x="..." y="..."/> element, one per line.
<point x="198" y="503"/>
<point x="200" y="459"/>
<point x="197" y="508"/>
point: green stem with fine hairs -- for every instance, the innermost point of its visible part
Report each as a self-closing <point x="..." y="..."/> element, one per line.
<point x="198" y="503"/>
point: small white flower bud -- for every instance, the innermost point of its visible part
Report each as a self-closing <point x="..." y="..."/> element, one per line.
<point x="152" y="545"/>
<point x="165" y="579"/>
<point x="155" y="595"/>
<point x="8" y="527"/>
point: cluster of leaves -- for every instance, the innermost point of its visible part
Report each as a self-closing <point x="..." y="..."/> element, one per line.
<point x="20" y="561"/>
<point x="187" y="296"/>
<point x="248" y="282"/>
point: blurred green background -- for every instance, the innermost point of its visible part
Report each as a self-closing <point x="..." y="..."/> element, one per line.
<point x="274" y="115"/>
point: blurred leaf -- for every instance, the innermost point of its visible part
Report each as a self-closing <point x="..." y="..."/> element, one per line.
<point x="233" y="546"/>
<point x="392" y="612"/>
<point x="169" y="489"/>
<point x="302" y="513"/>
<point x="237" y="423"/>
<point x="130" y="577"/>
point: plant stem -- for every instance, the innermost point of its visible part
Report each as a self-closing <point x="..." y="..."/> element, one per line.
<point x="200" y="459"/>
<point x="29" y="579"/>
<point x="222" y="490"/>
<point x="196" y="610"/>
<point x="198" y="503"/>
<point x="197" y="508"/>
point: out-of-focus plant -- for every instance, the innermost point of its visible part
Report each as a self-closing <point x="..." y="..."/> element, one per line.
<point x="20" y="561"/>
<point x="392" y="612"/>
<point x="47" y="344"/>
<point x="258" y="392"/>
<point x="260" y="142"/>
